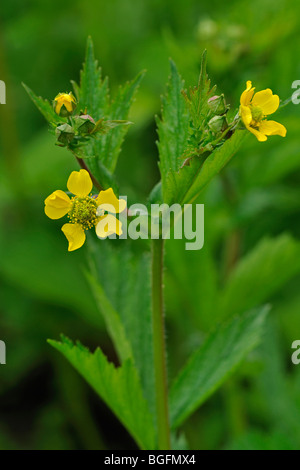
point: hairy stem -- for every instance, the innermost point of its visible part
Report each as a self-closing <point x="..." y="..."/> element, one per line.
<point x="161" y="386"/>
<point x="84" y="167"/>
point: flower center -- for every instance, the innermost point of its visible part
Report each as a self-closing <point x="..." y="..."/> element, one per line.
<point x="257" y="113"/>
<point x="83" y="212"/>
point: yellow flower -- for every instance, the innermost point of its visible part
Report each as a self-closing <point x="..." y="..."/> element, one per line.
<point x="255" y="108"/>
<point x="64" y="104"/>
<point x="85" y="211"/>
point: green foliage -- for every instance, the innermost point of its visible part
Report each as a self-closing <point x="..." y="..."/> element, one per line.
<point x="93" y="92"/>
<point x="112" y="320"/>
<point x="253" y="281"/>
<point x="100" y="147"/>
<point x="172" y="128"/>
<point x="122" y="291"/>
<point x="198" y="98"/>
<point x="42" y="288"/>
<point x="44" y="107"/>
<point x="190" y="155"/>
<point x="191" y="179"/>
<point x="93" y="95"/>
<point x="216" y="359"/>
<point x="119" y="387"/>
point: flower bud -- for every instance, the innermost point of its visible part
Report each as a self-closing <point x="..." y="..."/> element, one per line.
<point x="218" y="124"/>
<point x="64" y="104"/>
<point x="85" y="124"/>
<point x="217" y="104"/>
<point x="64" y="134"/>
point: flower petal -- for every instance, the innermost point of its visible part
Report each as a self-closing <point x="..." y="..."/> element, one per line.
<point x="246" y="96"/>
<point x="245" y="113"/>
<point x="266" y="101"/>
<point x="57" y="205"/>
<point x="107" y="225"/>
<point x="272" y="128"/>
<point x="108" y="202"/>
<point x="68" y="105"/>
<point x="75" y="235"/>
<point x="58" y="106"/>
<point x="80" y="183"/>
<point x="259" y="135"/>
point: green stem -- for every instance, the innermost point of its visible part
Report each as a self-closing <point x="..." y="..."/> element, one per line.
<point x="161" y="386"/>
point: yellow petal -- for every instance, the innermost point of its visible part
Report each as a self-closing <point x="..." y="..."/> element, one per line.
<point x="57" y="205"/>
<point x="245" y="113"/>
<point x="68" y="105"/>
<point x="80" y="183"/>
<point x="58" y="107"/>
<point x="259" y="135"/>
<point x="108" y="202"/>
<point x="246" y="96"/>
<point x="266" y="101"/>
<point x="107" y="225"/>
<point x="75" y="236"/>
<point x="272" y="128"/>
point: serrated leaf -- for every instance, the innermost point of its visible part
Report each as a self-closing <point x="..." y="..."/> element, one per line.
<point x="93" y="92"/>
<point x="186" y="184"/>
<point x="172" y="127"/>
<point x="216" y="359"/>
<point x="260" y="273"/>
<point x="108" y="146"/>
<point x="112" y="320"/>
<point x="44" y="107"/>
<point x="199" y="95"/>
<point x="94" y="98"/>
<point x="118" y="387"/>
<point x="126" y="287"/>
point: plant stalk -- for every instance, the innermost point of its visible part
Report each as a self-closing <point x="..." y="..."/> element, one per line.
<point x="161" y="385"/>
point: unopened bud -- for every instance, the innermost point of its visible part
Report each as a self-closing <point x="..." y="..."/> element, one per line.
<point x="64" y="134"/>
<point x="218" y="124"/>
<point x="85" y="124"/>
<point x="217" y="104"/>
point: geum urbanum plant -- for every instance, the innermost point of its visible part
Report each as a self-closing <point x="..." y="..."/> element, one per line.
<point x="198" y="135"/>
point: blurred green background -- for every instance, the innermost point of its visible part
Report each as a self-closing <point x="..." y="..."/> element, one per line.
<point x="252" y="212"/>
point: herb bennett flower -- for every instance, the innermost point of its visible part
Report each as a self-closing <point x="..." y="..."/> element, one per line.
<point x="85" y="211"/>
<point x="255" y="108"/>
<point x="64" y="104"/>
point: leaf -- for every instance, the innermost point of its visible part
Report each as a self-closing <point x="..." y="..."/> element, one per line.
<point x="108" y="146"/>
<point x="125" y="285"/>
<point x="93" y="92"/>
<point x="108" y="180"/>
<point x="260" y="273"/>
<point x="94" y="97"/>
<point x="281" y="405"/>
<point x="172" y="127"/>
<point x="198" y="285"/>
<point x="118" y="387"/>
<point x="186" y="184"/>
<point x="211" y="365"/>
<point x="44" y="107"/>
<point x="199" y="95"/>
<point x="112" y="320"/>
<point x="55" y="278"/>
